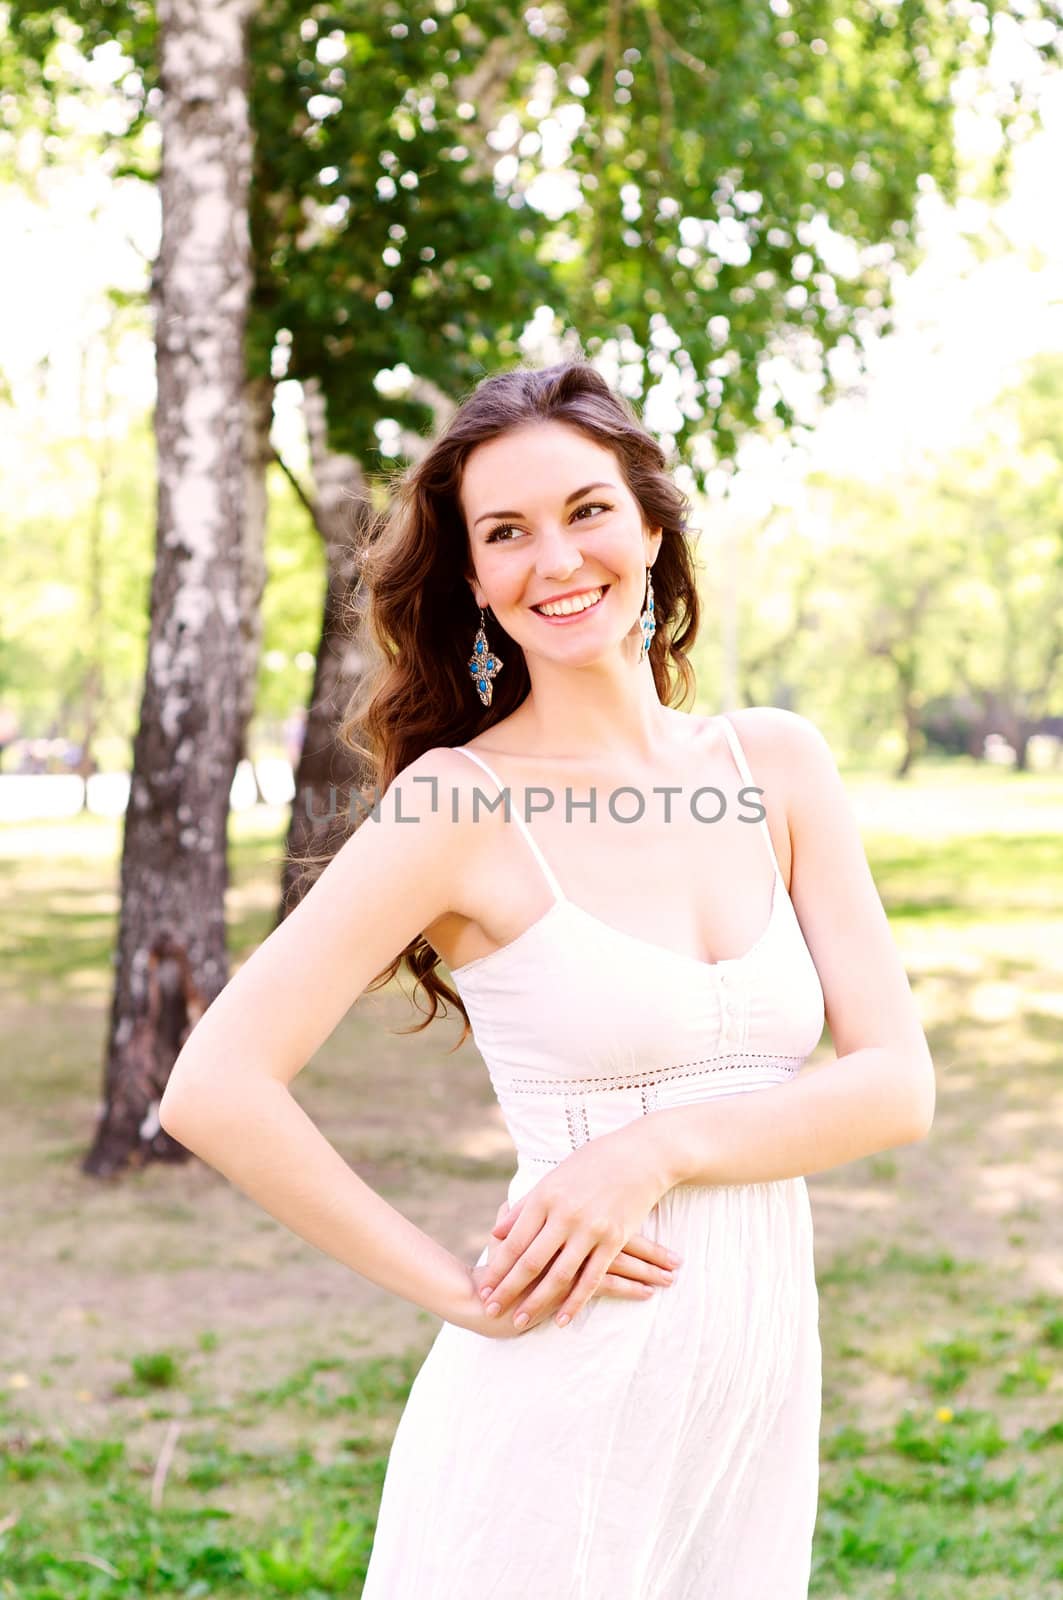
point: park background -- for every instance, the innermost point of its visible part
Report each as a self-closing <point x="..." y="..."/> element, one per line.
<point x="822" y="248"/>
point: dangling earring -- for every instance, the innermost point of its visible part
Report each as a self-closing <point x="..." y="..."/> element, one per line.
<point x="483" y="666"/>
<point x="646" y="620"/>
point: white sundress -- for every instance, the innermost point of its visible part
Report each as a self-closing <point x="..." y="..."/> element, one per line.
<point x="664" y="1449"/>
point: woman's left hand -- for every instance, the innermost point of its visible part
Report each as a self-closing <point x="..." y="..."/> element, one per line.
<point x="583" y="1212"/>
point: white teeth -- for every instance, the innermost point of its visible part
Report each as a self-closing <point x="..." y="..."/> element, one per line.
<point x="564" y="608"/>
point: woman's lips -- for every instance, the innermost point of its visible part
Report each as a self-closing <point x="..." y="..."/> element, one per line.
<point x="574" y="616"/>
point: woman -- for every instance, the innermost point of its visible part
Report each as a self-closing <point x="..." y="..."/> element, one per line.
<point x="644" y="988"/>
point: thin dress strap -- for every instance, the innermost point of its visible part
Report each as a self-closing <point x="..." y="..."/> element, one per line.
<point x="743" y="766"/>
<point x="514" y="812"/>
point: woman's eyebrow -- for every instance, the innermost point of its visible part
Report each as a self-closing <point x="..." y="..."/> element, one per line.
<point x="575" y="495"/>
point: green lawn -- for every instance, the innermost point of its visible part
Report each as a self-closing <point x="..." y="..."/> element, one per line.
<point x="194" y="1403"/>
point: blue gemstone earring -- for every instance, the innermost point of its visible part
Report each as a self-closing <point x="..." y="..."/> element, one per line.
<point x="483" y="666"/>
<point x="646" y="620"/>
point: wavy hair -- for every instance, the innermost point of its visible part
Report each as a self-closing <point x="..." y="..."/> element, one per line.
<point x="420" y="614"/>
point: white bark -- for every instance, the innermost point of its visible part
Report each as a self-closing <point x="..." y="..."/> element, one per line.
<point x="171" y="957"/>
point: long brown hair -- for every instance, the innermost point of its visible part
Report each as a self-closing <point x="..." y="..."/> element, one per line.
<point x="420" y="615"/>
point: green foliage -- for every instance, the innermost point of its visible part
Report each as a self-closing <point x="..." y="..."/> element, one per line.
<point x="943" y="582"/>
<point x="157" y="1369"/>
<point x="64" y="494"/>
<point x="309" y="1563"/>
<point x="379" y="240"/>
<point x="739" y="179"/>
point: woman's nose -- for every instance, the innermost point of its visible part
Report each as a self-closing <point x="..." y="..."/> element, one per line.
<point x="557" y="556"/>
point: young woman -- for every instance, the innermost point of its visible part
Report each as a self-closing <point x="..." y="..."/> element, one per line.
<point x="647" y="916"/>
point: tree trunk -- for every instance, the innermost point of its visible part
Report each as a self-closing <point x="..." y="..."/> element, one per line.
<point x="258" y="453"/>
<point x="171" y="958"/>
<point x="907" y="760"/>
<point x="327" y="771"/>
<point x="911" y="705"/>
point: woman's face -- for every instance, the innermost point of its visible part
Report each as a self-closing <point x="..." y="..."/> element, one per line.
<point x="548" y="514"/>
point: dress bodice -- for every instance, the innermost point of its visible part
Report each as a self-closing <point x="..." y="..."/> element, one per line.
<point x="583" y="1026"/>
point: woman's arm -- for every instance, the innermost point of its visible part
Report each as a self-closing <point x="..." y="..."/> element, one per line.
<point x="869" y="1100"/>
<point x="256" y="1134"/>
<point x="228" y="1096"/>
<point x="880" y="1092"/>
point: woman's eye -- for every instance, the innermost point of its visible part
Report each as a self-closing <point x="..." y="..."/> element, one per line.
<point x="509" y="527"/>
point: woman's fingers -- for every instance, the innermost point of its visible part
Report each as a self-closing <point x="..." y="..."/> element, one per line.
<point x="545" y="1274"/>
<point x="540" y="1294"/>
<point x="627" y="1265"/>
<point x="629" y="1279"/>
<point x="585" y="1287"/>
<point x="554" y="1281"/>
<point x="624" y="1288"/>
<point x="507" y="1216"/>
<point x="651" y="1250"/>
<point x="481" y="1271"/>
<point x="613" y="1285"/>
<point x="533" y="1248"/>
<point x="567" y="1276"/>
<point x="520" y="1260"/>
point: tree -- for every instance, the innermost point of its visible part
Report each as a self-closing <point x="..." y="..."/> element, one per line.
<point x="1009" y="492"/>
<point x="171" y="958"/>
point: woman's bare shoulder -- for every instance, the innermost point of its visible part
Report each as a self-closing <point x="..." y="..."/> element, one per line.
<point x="773" y="736"/>
<point x="792" y="764"/>
<point x="444" y="765"/>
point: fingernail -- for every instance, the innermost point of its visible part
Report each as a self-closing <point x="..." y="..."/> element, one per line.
<point x="673" y="1257"/>
<point x="563" y="1318"/>
<point x="520" y="1319"/>
<point x="493" y="1309"/>
<point x="485" y="1291"/>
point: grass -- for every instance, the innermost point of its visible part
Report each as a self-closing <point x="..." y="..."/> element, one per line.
<point x="193" y="1403"/>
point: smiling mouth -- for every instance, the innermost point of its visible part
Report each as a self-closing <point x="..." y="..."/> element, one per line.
<point x="580" y="608"/>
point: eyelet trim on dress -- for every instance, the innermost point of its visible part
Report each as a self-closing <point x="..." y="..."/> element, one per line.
<point x="578" y="1127"/>
<point x="751" y="1062"/>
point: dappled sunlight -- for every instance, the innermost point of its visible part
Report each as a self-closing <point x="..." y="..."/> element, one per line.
<point x="1044" y="1269"/>
<point x="78" y="903"/>
<point x="994" y="1002"/>
<point x="87" y="838"/>
<point x="1010" y="1184"/>
<point x="491" y="1142"/>
<point x="853" y="1197"/>
<point x="948" y="801"/>
<point x="89" y="981"/>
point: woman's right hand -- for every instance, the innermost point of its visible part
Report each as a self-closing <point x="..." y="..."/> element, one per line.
<point x="640" y="1267"/>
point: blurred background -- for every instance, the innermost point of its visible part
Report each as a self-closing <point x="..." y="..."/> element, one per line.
<point x="253" y="256"/>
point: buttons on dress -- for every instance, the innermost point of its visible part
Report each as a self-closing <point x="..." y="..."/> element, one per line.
<point x="726" y="1018"/>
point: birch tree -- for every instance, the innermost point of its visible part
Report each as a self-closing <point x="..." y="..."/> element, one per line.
<point x="171" y="955"/>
